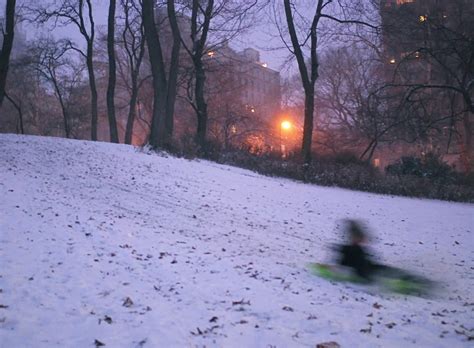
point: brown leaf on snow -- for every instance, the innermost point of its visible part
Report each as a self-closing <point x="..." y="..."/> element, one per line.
<point x="241" y="302"/>
<point x="328" y="345"/>
<point x="377" y="305"/>
<point x="127" y="302"/>
<point x="198" y="332"/>
<point x="98" y="343"/>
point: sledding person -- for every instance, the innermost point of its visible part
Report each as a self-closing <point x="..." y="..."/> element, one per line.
<point x="354" y="255"/>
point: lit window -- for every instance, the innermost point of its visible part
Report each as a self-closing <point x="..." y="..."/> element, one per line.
<point x="392" y="61"/>
<point x="423" y="18"/>
<point x="211" y="54"/>
<point x="417" y="54"/>
<point x="401" y="2"/>
<point x="264" y="65"/>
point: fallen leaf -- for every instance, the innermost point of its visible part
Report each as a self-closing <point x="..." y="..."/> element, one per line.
<point x="127" y="302"/>
<point x="328" y="345"/>
<point x="98" y="343"/>
<point x="241" y="302"/>
<point x="377" y="305"/>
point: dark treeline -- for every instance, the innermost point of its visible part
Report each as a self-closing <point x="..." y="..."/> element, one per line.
<point x="378" y="79"/>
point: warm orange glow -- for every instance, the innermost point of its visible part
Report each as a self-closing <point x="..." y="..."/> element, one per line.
<point x="211" y="53"/>
<point x="392" y="61"/>
<point x="423" y="18"/>
<point x="255" y="143"/>
<point x="286" y="125"/>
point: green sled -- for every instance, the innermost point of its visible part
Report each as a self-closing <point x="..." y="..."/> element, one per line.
<point x="408" y="285"/>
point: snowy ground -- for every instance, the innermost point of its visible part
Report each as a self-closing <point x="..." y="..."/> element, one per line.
<point x="105" y="242"/>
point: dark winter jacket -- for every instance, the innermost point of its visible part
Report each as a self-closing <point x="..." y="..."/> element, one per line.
<point x="355" y="257"/>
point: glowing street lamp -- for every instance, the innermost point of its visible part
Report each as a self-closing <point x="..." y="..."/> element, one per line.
<point x="284" y="126"/>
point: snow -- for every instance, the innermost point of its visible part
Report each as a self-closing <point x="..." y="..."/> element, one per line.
<point x="210" y="255"/>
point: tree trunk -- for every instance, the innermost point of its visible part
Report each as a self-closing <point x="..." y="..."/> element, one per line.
<point x="308" y="75"/>
<point x="90" y="62"/>
<point x="308" y="124"/>
<point x="173" y="72"/>
<point x="93" y="88"/>
<point x="158" y="74"/>
<point x="7" y="46"/>
<point x="112" y="73"/>
<point x="63" y="108"/>
<point x="201" y="104"/>
<point x="18" y="108"/>
<point x="131" y="112"/>
<point x="197" y="51"/>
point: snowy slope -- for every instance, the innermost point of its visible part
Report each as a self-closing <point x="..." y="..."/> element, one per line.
<point x="106" y="242"/>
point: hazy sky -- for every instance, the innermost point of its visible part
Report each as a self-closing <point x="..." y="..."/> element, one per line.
<point x="263" y="37"/>
<point x="258" y="38"/>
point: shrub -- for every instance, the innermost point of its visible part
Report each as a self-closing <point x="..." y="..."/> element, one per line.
<point x="410" y="177"/>
<point x="429" y="166"/>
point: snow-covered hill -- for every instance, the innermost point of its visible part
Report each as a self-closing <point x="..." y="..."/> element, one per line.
<point x="103" y="243"/>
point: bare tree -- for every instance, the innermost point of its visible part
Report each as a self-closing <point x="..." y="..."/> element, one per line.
<point x="51" y="61"/>
<point x="22" y="88"/>
<point x="229" y="19"/>
<point x="133" y="42"/>
<point x="307" y="37"/>
<point x="8" y="35"/>
<point x="199" y="32"/>
<point x="18" y="106"/>
<point x="112" y="73"/>
<point x="79" y="14"/>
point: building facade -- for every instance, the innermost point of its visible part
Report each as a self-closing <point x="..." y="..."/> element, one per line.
<point x="247" y="78"/>
<point x="428" y="50"/>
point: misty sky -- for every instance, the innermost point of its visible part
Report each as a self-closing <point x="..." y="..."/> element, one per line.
<point x="260" y="38"/>
<point x="263" y="37"/>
